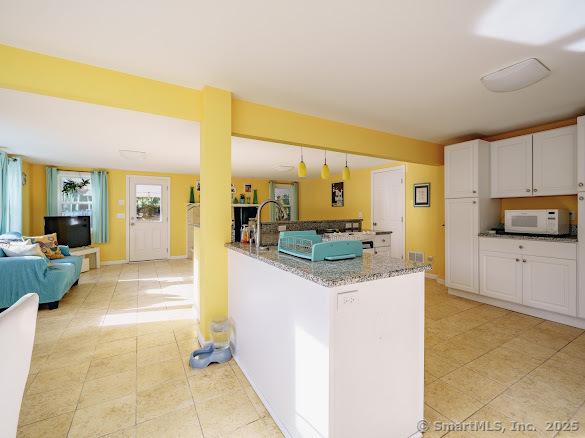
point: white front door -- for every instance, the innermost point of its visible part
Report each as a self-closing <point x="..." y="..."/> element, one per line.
<point x="148" y="218"/>
<point x="388" y="206"/>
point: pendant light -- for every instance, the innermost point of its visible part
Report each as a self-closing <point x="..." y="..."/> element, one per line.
<point x="325" y="169"/>
<point x="302" y="170"/>
<point x="345" y="174"/>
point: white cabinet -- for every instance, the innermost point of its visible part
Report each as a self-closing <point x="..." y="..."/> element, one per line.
<point x="461" y="170"/>
<point x="581" y="257"/>
<point x="554" y="156"/>
<point x="536" y="274"/>
<point x="511" y="167"/>
<point x="461" y="243"/>
<point x="501" y="276"/>
<point x="581" y="154"/>
<point x="550" y="284"/>
<point x="541" y="164"/>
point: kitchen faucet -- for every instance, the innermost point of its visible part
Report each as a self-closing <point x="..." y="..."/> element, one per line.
<point x="258" y="234"/>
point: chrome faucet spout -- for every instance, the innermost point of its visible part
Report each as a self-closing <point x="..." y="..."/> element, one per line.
<point x="258" y="235"/>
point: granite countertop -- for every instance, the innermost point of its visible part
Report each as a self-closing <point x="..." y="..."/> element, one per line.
<point x="568" y="239"/>
<point x="338" y="273"/>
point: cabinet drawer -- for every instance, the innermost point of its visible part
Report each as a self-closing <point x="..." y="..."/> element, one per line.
<point x="382" y="240"/>
<point x="558" y="250"/>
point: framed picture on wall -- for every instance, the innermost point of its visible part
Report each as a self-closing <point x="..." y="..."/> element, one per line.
<point x="422" y="195"/>
<point x="248" y="188"/>
<point x="337" y="194"/>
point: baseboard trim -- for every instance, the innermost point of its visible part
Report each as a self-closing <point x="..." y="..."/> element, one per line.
<point x="114" y="262"/>
<point x="178" y="257"/>
<point x="441" y="280"/>
<point x="435" y="277"/>
<point x="538" y="313"/>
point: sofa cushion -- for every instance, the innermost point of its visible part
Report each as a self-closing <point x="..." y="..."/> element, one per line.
<point x="49" y="245"/>
<point x="24" y="249"/>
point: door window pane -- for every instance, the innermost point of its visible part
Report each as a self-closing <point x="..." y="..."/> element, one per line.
<point x="148" y="197"/>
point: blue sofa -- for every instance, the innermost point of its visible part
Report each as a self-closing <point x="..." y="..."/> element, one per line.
<point x="50" y="279"/>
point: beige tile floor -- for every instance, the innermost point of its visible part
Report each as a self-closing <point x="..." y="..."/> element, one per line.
<point x="112" y="361"/>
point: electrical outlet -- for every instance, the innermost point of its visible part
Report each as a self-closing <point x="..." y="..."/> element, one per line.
<point x="346" y="299"/>
<point x="282" y="228"/>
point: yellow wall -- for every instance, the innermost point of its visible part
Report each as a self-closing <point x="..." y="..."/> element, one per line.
<point x="34" y="206"/>
<point x="28" y="71"/>
<point x="424" y="226"/>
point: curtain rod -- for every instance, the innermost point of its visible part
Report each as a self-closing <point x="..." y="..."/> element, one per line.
<point x="81" y="171"/>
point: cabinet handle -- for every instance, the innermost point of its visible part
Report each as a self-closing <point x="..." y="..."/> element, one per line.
<point x="475" y="202"/>
<point x="580" y="184"/>
<point x="523" y="260"/>
<point x="535" y="190"/>
<point x="528" y="190"/>
<point x="475" y="191"/>
<point x="520" y="246"/>
<point x="517" y="260"/>
<point x="581" y="198"/>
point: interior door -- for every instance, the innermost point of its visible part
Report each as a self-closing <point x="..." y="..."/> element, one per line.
<point x="388" y="206"/>
<point x="148" y="202"/>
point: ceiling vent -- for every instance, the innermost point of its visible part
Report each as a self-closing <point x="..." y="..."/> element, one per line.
<point x="517" y="76"/>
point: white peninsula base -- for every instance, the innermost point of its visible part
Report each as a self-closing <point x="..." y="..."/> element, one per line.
<point x="344" y="361"/>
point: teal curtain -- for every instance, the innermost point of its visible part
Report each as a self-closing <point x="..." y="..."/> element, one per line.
<point x="10" y="194"/>
<point x="273" y="213"/>
<point x="14" y="178"/>
<point x="52" y="191"/>
<point x="99" y="208"/>
<point x="294" y="202"/>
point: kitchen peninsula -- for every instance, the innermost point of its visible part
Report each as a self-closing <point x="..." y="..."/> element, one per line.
<point x="334" y="349"/>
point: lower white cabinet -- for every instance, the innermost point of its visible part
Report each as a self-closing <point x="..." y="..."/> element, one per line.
<point x="550" y="284"/>
<point x="501" y="276"/>
<point x="509" y="272"/>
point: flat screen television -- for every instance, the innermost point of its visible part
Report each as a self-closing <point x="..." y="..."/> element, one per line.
<point x="73" y="231"/>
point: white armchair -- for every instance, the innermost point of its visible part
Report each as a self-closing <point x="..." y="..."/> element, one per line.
<point x="17" y="334"/>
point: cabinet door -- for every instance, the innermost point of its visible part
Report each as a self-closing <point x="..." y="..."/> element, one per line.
<point x="511" y="167"/>
<point x="554" y="157"/>
<point x="461" y="244"/>
<point x="581" y="154"/>
<point x="501" y="275"/>
<point x="461" y="170"/>
<point x="581" y="258"/>
<point x="550" y="284"/>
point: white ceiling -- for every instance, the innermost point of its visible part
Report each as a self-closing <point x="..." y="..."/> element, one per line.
<point x="409" y="67"/>
<point x="70" y="133"/>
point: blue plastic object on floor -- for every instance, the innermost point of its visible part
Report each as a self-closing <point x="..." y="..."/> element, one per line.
<point x="207" y="355"/>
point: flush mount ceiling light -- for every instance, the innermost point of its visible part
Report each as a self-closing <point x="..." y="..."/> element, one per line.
<point x="516" y="76"/>
<point x="284" y="168"/>
<point x="132" y="155"/>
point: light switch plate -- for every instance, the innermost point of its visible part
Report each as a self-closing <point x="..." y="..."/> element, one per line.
<point x="120" y="215"/>
<point x="121" y="202"/>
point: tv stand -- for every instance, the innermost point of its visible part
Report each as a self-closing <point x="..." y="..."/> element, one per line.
<point x="92" y="255"/>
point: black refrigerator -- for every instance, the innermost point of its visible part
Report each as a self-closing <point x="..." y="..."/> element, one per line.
<point x="241" y="217"/>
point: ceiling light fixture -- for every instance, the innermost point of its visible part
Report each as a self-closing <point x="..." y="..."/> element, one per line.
<point x="302" y="170"/>
<point x="325" y="169"/>
<point x="132" y="155"/>
<point x="516" y="76"/>
<point x="345" y="175"/>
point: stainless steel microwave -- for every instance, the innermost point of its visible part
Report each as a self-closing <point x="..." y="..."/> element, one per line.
<point x="553" y="222"/>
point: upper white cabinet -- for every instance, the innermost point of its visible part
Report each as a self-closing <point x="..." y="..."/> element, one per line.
<point x="461" y="170"/>
<point x="554" y="158"/>
<point x="461" y="244"/>
<point x="581" y="154"/>
<point x="541" y="164"/>
<point x="511" y="167"/>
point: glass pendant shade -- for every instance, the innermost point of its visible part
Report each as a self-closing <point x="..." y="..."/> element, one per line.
<point x="302" y="169"/>
<point x="345" y="174"/>
<point x="325" y="168"/>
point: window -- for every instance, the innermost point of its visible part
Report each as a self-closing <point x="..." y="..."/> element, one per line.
<point x="74" y="193"/>
<point x="148" y="198"/>
<point x="283" y="194"/>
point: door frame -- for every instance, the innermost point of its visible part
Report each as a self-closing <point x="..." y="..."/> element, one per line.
<point x="402" y="169"/>
<point x="127" y="219"/>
